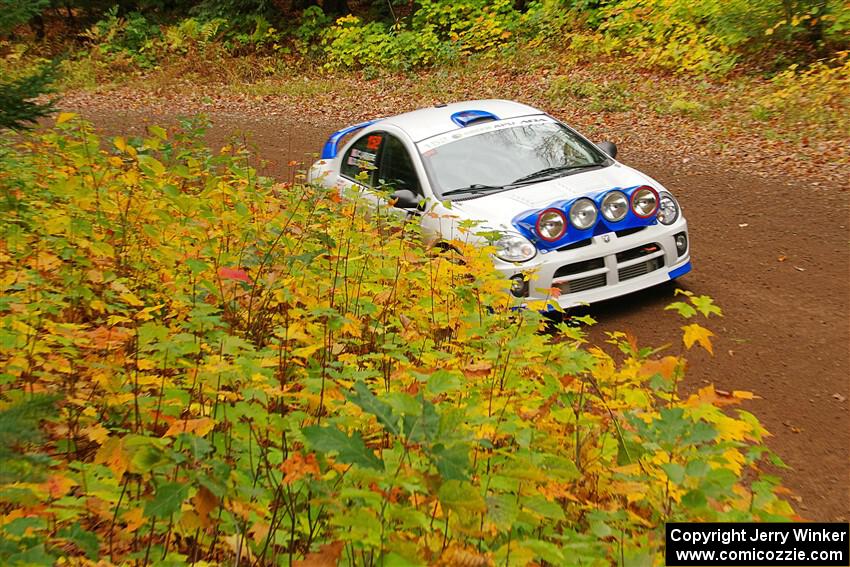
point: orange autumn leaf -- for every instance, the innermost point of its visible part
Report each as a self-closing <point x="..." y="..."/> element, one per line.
<point x="205" y="502"/>
<point x="234" y="274"/>
<point x="710" y="395"/>
<point x="480" y="368"/>
<point x="666" y="367"/>
<point x="200" y="427"/>
<point x="96" y="432"/>
<point x="107" y="338"/>
<point x="113" y="454"/>
<point x="259" y="531"/>
<point x="697" y="334"/>
<point x="297" y="467"/>
<point x="58" y="486"/>
<point x="327" y="556"/>
<point x="134" y="518"/>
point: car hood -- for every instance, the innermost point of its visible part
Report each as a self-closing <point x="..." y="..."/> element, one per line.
<point x="499" y="209"/>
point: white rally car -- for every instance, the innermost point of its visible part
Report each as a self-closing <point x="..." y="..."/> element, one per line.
<point x="576" y="225"/>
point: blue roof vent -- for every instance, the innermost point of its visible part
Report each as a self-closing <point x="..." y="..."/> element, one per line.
<point x="466" y="118"/>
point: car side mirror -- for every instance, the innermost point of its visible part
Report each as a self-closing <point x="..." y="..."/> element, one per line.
<point x="405" y="199"/>
<point x="609" y="148"/>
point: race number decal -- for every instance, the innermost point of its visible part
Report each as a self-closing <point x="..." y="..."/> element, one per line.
<point x="373" y="142"/>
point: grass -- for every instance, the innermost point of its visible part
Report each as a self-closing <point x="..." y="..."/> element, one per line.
<point x="295" y="87"/>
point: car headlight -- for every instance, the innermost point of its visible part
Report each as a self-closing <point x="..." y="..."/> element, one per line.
<point x="644" y="201"/>
<point x="551" y="225"/>
<point x="615" y="206"/>
<point x="513" y="247"/>
<point x="583" y="214"/>
<point x="668" y="209"/>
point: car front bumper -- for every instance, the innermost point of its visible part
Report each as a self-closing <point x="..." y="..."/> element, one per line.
<point x="605" y="266"/>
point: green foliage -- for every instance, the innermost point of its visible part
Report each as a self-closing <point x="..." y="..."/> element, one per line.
<point x="439" y="31"/>
<point x="244" y="368"/>
<point x="818" y="96"/>
<point x="352" y="43"/>
<point x="311" y="27"/>
<point x="18" y="431"/>
<point x="18" y="107"/>
<point x="14" y="13"/>
<point x="132" y="37"/>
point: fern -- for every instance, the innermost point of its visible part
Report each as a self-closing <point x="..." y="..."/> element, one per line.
<point x="210" y="30"/>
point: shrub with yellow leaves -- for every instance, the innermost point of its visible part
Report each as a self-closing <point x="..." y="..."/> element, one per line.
<point x="197" y="364"/>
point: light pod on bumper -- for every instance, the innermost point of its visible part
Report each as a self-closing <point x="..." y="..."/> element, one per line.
<point x="519" y="286"/>
<point x="583" y="214"/>
<point x="644" y="201"/>
<point x="615" y="206"/>
<point x="551" y="225"/>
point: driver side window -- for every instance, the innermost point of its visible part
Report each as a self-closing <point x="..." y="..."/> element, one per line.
<point x="363" y="157"/>
<point x="396" y="169"/>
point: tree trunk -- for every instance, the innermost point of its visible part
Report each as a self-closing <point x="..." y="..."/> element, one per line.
<point x="299" y="5"/>
<point x="37" y="24"/>
<point x="336" y="7"/>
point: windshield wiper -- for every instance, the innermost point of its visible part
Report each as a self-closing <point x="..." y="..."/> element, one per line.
<point x="476" y="188"/>
<point x="553" y="170"/>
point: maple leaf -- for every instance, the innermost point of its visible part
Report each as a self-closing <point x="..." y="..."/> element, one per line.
<point x="259" y="531"/>
<point x="709" y="395"/>
<point x="134" y="518"/>
<point x="327" y="556"/>
<point x="666" y="367"/>
<point x="96" y="432"/>
<point x="107" y="338"/>
<point x="65" y="117"/>
<point x="58" y="486"/>
<point x="697" y="334"/>
<point x="480" y="368"/>
<point x="706" y="306"/>
<point x="683" y="308"/>
<point x="200" y="427"/>
<point x="205" y="502"/>
<point x="113" y="454"/>
<point x="234" y="274"/>
<point x="297" y="467"/>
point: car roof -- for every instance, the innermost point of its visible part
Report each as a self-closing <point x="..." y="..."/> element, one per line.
<point x="427" y="122"/>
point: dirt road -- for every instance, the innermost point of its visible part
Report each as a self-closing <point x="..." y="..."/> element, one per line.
<point x="773" y="255"/>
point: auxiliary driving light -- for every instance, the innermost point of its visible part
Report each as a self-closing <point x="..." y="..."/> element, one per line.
<point x="615" y="205"/>
<point x="519" y="286"/>
<point x="583" y="214"/>
<point x="681" y="243"/>
<point x="551" y="225"/>
<point x="645" y="201"/>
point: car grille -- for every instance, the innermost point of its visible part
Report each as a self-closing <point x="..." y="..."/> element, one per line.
<point x="579" y="267"/>
<point x="641" y="269"/>
<point x="629" y="266"/>
<point x="582" y="284"/>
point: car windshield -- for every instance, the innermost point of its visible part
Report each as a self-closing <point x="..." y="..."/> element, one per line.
<point x="500" y="158"/>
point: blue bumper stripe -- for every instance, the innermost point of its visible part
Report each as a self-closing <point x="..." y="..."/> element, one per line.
<point x="680" y="271"/>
